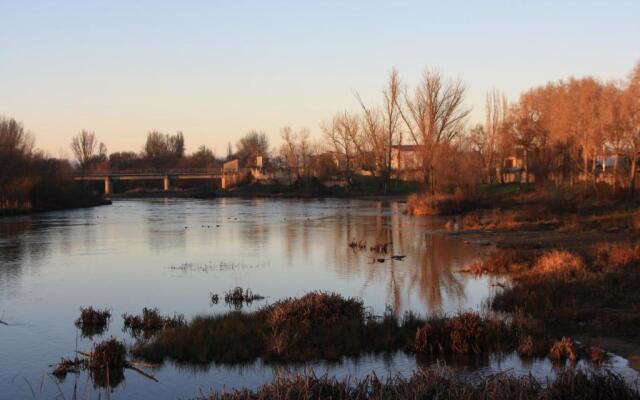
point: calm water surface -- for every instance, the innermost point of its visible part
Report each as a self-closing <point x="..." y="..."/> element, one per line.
<point x="172" y="253"/>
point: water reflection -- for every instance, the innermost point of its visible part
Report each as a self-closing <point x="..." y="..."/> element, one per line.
<point x="129" y="256"/>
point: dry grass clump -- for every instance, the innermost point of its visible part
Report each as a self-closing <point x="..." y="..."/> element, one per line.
<point x="597" y="354"/>
<point x="444" y="204"/>
<point x="503" y="261"/>
<point x="93" y="321"/>
<point x="67" y="365"/>
<point x="558" y="261"/>
<point x="526" y="347"/>
<point x="611" y="257"/>
<point x="150" y="322"/>
<point x="569" y="295"/>
<point x="237" y="297"/>
<point x="108" y="354"/>
<point x="438" y="383"/>
<point x="466" y="333"/>
<point x="563" y="349"/>
<point x="320" y="323"/>
<point x="107" y="362"/>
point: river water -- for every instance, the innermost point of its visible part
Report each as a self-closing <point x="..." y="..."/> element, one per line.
<point x="173" y="253"/>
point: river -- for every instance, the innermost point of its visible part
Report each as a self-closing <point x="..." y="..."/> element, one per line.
<point x="173" y="253"/>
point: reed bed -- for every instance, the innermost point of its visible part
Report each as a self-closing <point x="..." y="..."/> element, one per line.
<point x="439" y="383"/>
<point x="327" y="326"/>
<point x="150" y="322"/>
<point x="237" y="297"/>
<point x="598" y="293"/>
<point x="93" y="321"/>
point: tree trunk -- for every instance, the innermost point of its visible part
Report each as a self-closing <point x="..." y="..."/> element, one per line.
<point x="526" y="166"/>
<point x="633" y="173"/>
<point x="615" y="172"/>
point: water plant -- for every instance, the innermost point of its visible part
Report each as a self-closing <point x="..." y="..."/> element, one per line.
<point x="93" y="321"/>
<point x="150" y="322"/>
<point x="329" y="326"/>
<point x="237" y="297"/>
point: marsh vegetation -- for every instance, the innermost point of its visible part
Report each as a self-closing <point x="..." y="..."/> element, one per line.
<point x="438" y="383"/>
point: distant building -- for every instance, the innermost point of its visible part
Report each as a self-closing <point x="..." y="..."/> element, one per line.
<point x="512" y="169"/>
<point x="406" y="162"/>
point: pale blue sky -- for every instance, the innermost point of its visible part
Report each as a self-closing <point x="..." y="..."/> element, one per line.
<point x="218" y="69"/>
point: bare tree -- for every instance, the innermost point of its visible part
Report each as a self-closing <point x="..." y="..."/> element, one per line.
<point x="162" y="150"/>
<point x="380" y="131"/>
<point x="391" y="120"/>
<point x="16" y="150"/>
<point x="342" y="134"/>
<point x="251" y="145"/>
<point x="631" y="110"/>
<point x="370" y="144"/>
<point x="84" y="146"/>
<point x="495" y="145"/>
<point x="296" y="152"/>
<point x="289" y="152"/>
<point x="434" y="115"/>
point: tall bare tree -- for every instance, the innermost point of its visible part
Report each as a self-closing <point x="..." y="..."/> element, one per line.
<point x="381" y="130"/>
<point x="631" y="110"/>
<point x="342" y="134"/>
<point x="496" y="147"/>
<point x="434" y="115"/>
<point x="84" y="146"/>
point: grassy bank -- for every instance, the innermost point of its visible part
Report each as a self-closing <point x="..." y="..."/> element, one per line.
<point x="439" y="383"/>
<point x="361" y="187"/>
<point x="597" y="293"/>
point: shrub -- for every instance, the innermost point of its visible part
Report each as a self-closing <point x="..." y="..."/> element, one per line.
<point x="558" y="261"/>
<point x="610" y="257"/>
<point x="503" y="261"/>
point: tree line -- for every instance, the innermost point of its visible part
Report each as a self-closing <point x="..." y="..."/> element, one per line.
<point x="568" y="132"/>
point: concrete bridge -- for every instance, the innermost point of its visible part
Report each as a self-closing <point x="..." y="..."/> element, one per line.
<point x="222" y="179"/>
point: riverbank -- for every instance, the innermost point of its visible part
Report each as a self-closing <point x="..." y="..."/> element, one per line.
<point x="437" y="382"/>
<point x="56" y="207"/>
<point x="277" y="191"/>
<point x="573" y="264"/>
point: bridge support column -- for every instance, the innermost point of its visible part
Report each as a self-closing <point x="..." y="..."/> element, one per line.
<point x="107" y="185"/>
<point x="166" y="183"/>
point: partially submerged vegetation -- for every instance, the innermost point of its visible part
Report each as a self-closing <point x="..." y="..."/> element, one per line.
<point x="325" y="326"/>
<point x="594" y="293"/>
<point x="150" y="322"/>
<point x="106" y="364"/>
<point x="439" y="383"/>
<point x="237" y="297"/>
<point x="93" y="321"/>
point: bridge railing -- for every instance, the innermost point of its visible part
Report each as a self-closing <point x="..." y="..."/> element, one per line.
<point x="151" y="171"/>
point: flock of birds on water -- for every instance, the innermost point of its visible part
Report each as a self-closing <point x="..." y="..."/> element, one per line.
<point x="355" y="245"/>
<point x="377" y="249"/>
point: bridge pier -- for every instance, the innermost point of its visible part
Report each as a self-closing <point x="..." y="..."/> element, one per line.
<point x="107" y="185"/>
<point x="166" y="183"/>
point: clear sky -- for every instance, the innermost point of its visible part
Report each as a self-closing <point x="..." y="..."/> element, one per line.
<point x="215" y="70"/>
